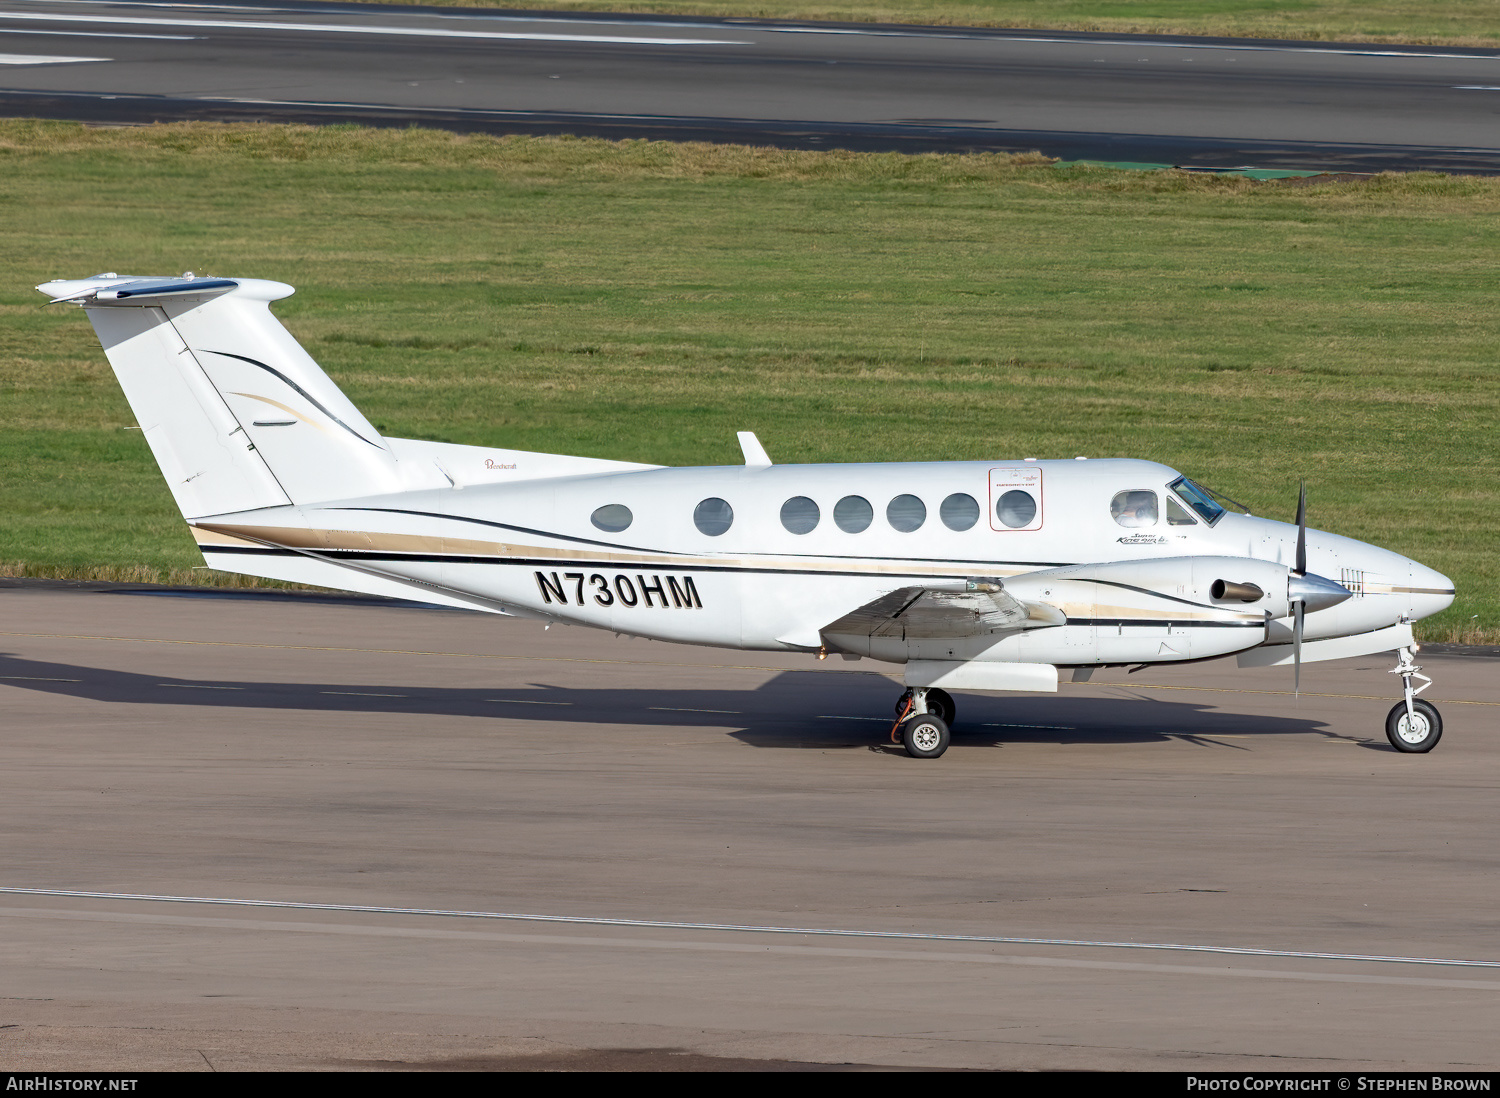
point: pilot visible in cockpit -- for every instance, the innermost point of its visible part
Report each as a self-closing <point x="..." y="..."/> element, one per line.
<point x="1133" y="509"/>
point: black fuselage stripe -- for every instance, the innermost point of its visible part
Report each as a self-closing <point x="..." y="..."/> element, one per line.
<point x="1148" y="591"/>
<point x="504" y="526"/>
<point x="335" y="555"/>
<point x="550" y="562"/>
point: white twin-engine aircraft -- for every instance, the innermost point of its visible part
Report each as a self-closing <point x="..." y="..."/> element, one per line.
<point x="976" y="575"/>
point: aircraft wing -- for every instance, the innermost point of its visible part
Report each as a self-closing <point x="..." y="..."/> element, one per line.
<point x="934" y="612"/>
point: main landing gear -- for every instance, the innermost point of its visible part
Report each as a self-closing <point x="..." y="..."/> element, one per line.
<point x="1412" y="725"/>
<point x="923" y="716"/>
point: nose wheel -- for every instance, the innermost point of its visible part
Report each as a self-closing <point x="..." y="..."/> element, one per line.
<point x="1415" y="731"/>
<point x="1413" y="726"/>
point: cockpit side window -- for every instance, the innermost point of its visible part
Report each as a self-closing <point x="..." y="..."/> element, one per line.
<point x="1177" y="514"/>
<point x="1198" y="498"/>
<point x="1134" y="508"/>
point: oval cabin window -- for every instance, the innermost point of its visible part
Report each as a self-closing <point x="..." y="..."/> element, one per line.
<point x="800" y="515"/>
<point x="1016" y="509"/>
<point x="906" y="513"/>
<point x="853" y="514"/>
<point x="612" y="517"/>
<point x="713" y="516"/>
<point x="959" y="511"/>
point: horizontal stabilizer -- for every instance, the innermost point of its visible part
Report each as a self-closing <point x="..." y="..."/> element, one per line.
<point x="138" y="292"/>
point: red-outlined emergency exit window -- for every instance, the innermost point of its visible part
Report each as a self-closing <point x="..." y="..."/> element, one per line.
<point x="1016" y="499"/>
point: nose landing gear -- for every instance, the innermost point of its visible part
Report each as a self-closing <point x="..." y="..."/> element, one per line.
<point x="1412" y="726"/>
<point x="922" y="718"/>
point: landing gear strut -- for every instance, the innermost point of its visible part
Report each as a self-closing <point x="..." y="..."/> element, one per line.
<point x="1412" y="725"/>
<point x="922" y="718"/>
<point x="939" y="703"/>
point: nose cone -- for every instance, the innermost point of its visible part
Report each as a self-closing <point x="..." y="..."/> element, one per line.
<point x="1429" y="591"/>
<point x="1315" y="592"/>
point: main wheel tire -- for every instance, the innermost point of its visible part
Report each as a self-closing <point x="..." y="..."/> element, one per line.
<point x="940" y="704"/>
<point x="1414" y="736"/>
<point x="924" y="736"/>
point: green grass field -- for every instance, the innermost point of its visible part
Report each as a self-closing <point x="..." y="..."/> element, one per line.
<point x="645" y="301"/>
<point x="1453" y="22"/>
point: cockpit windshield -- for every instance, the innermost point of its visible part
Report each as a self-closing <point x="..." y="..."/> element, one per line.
<point x="1198" y="498"/>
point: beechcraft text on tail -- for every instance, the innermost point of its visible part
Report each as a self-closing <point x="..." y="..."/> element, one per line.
<point x="986" y="575"/>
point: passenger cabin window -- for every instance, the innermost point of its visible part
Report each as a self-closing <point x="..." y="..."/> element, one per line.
<point x="612" y="517"/>
<point x="713" y="516"/>
<point x="906" y="513"/>
<point x="1199" y="499"/>
<point x="1016" y="509"/>
<point x="1134" y="508"/>
<point x="853" y="514"/>
<point x="959" y="511"/>
<point x="800" y="515"/>
<point x="1177" y="515"/>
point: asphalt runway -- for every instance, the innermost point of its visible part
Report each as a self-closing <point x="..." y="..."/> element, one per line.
<point x="1208" y="103"/>
<point x="441" y="839"/>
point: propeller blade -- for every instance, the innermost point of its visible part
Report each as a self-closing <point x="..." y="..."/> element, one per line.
<point x="1302" y="530"/>
<point x="1297" y="649"/>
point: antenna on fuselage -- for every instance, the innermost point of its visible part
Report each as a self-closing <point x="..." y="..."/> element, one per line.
<point x="755" y="453"/>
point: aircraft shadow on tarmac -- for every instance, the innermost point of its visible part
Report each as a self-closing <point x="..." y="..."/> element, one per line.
<point x="796" y="709"/>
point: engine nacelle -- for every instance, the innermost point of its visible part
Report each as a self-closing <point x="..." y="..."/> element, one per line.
<point x="1183" y="588"/>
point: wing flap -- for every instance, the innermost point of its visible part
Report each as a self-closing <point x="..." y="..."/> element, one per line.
<point x="985" y="607"/>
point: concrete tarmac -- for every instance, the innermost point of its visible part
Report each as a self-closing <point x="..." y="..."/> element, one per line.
<point x="344" y="758"/>
<point x="1198" y="102"/>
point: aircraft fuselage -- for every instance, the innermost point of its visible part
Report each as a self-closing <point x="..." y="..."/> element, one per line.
<point x="1132" y="588"/>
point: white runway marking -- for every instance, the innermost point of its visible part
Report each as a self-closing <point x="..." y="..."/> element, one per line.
<point x="42" y="59"/>
<point x="404" y="32"/>
<point x="524" y="701"/>
<point x="1093" y="43"/>
<point x="667" y="23"/>
<point x="36" y="678"/>
<point x="826" y="932"/>
<point x="758" y="949"/>
<point x="893" y="32"/>
<point x="360" y="694"/>
<point x="105" y="34"/>
<point x="1047" y="727"/>
<point x="674" y="709"/>
<point x="196" y="686"/>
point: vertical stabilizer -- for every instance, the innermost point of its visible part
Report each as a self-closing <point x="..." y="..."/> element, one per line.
<point x="237" y="414"/>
